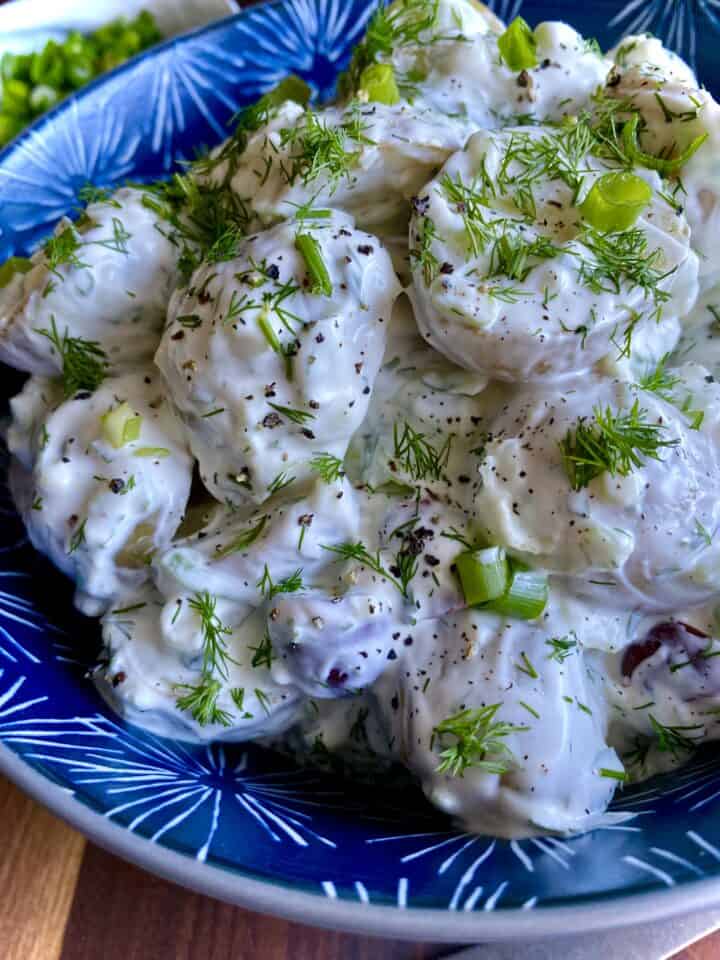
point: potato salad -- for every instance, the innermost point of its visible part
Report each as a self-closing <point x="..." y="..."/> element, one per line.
<point x="387" y="432"/>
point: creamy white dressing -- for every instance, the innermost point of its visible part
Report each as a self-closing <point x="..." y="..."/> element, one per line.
<point x="248" y="346"/>
<point x="552" y="321"/>
<point x="112" y="288"/>
<point x="395" y="369"/>
<point x="99" y="511"/>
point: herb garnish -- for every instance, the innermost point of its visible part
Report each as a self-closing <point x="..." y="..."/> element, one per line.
<point x="290" y="584"/>
<point x="327" y="466"/>
<point x="416" y="455"/>
<point x="84" y="362"/>
<point x="615" y="443"/>
<point x="478" y="741"/>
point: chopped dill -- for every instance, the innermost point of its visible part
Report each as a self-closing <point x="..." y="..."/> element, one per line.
<point x="279" y="483"/>
<point x="263" y="654"/>
<point x="526" y="666"/>
<point x="327" y="466"/>
<point x="359" y="552"/>
<point x="290" y="584"/>
<point x="78" y="537"/>
<point x="660" y="381"/>
<point x="296" y="416"/>
<point x="243" y="541"/>
<point x="422" y="253"/>
<point x="562" y="647"/>
<point x="415" y="454"/>
<point x="84" y="362"/>
<point x="214" y="631"/>
<point x="477" y="741"/>
<point x="201" y="699"/>
<point x="63" y="249"/>
<point x="615" y="443"/>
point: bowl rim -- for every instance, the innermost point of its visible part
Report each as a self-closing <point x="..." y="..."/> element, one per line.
<point x="430" y="924"/>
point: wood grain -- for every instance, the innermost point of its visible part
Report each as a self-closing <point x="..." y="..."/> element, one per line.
<point x="39" y="867"/>
<point x="122" y="913"/>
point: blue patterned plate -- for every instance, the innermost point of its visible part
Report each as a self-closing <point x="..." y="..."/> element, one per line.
<point x="238" y="822"/>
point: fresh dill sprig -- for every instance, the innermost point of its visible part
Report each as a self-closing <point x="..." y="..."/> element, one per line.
<point x="214" y="631"/>
<point x="512" y="255"/>
<point x="118" y="241"/>
<point x="89" y="193"/>
<point x="237" y="695"/>
<point x="471" y="204"/>
<point x="205" y="221"/>
<point x="660" y="381"/>
<point x="619" y="257"/>
<point x="615" y="443"/>
<point x="415" y="454"/>
<point x="296" y="416"/>
<point x="422" y="253"/>
<point x="562" y="647"/>
<point x="84" y="362"/>
<point x="290" y="584"/>
<point x="676" y="739"/>
<point x="327" y="466"/>
<point x="281" y="481"/>
<point x="63" y="249"/>
<point x="201" y="700"/>
<point x="263" y="654"/>
<point x="78" y="537"/>
<point x="359" y="552"/>
<point x="525" y="666"/>
<point x="477" y="741"/>
<point x="243" y="541"/>
<point x="317" y="149"/>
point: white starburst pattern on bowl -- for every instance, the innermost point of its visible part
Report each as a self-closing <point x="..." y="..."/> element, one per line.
<point x="204" y="78"/>
<point x="676" y="23"/>
<point x="309" y="37"/>
<point x="51" y="170"/>
<point x="160" y="784"/>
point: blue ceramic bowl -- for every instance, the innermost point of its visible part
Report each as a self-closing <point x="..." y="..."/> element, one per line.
<point x="238" y="822"/>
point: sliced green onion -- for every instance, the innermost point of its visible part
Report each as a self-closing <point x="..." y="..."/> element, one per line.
<point x="525" y="598"/>
<point x="517" y="46"/>
<point x="10" y="126"/>
<point x="613" y="774"/>
<point x="48" y="66"/>
<point x="16" y="98"/>
<point x="80" y="70"/>
<point x="13" y="266"/>
<point x="309" y="249"/>
<point x="377" y="84"/>
<point x="151" y="452"/>
<point x="15" y="66"/>
<point x="665" y="166"/>
<point x="43" y="97"/>
<point x="268" y="332"/>
<point x="290" y="88"/>
<point x="615" y="201"/>
<point x="484" y="574"/>
<point x="121" y="425"/>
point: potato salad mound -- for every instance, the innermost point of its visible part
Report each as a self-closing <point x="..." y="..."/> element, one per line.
<point x="387" y="431"/>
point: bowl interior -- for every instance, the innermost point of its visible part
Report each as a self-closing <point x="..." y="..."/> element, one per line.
<point x="240" y="808"/>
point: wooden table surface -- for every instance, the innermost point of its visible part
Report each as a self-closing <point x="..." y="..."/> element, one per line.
<point x="65" y="899"/>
